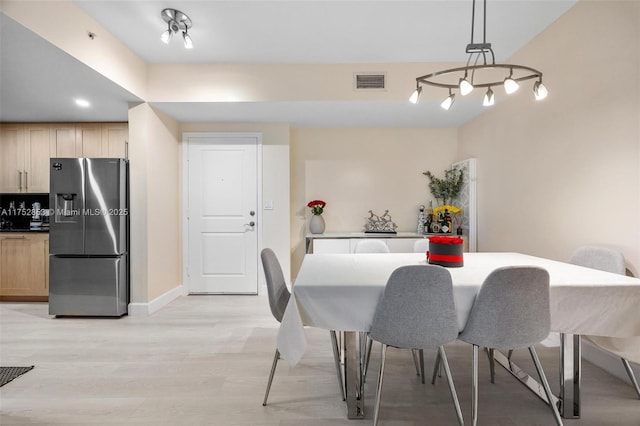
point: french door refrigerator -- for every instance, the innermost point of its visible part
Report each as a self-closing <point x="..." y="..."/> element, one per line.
<point x="89" y="237"/>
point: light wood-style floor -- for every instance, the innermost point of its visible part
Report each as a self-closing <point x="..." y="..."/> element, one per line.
<point x="204" y="360"/>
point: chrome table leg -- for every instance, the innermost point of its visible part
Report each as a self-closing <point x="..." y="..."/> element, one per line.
<point x="352" y="372"/>
<point x="568" y="401"/>
<point x="570" y="371"/>
<point x="523" y="377"/>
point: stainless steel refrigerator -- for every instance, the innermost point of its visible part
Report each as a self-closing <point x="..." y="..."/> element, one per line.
<point x="89" y="237"/>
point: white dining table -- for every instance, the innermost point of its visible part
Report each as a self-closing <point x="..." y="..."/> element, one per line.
<point x="341" y="292"/>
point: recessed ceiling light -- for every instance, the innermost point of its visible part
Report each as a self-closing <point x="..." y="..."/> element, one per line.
<point x="82" y="103"/>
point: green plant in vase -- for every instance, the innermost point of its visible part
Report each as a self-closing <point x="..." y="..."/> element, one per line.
<point x="447" y="188"/>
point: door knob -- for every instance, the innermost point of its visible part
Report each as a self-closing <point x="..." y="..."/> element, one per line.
<point x="252" y="213"/>
<point x="252" y="223"/>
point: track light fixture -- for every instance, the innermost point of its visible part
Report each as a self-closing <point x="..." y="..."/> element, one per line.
<point x="539" y="90"/>
<point x="176" y="22"/>
<point x="480" y="72"/>
<point x="446" y="104"/>
<point x="489" y="99"/>
<point x="415" y="96"/>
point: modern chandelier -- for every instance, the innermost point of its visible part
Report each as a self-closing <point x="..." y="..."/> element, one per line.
<point x="177" y="22"/>
<point x="480" y="72"/>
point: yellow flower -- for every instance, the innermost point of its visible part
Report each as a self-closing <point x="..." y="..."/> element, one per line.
<point x="452" y="209"/>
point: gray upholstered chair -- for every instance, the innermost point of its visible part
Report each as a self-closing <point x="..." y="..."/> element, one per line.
<point x="416" y="312"/>
<point x="421" y="246"/>
<point x="278" y="299"/>
<point x="608" y="260"/>
<point x="366" y="245"/>
<point x="511" y="311"/>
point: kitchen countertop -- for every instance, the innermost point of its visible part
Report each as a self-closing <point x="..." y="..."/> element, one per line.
<point x="24" y="231"/>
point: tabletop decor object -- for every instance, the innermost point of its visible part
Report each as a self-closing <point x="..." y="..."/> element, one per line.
<point x="445" y="251"/>
<point x="445" y="190"/>
<point x="380" y="224"/>
<point x="422" y="220"/>
<point x="316" y="224"/>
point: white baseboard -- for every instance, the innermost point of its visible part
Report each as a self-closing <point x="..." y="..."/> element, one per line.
<point x="146" y="309"/>
<point x="607" y="361"/>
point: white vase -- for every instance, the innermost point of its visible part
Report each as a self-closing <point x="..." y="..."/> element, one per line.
<point x="316" y="224"/>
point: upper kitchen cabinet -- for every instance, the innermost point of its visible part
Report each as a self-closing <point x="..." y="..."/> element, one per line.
<point x="89" y="140"/>
<point x="114" y="139"/>
<point x="63" y="140"/>
<point x="93" y="140"/>
<point x="24" y="158"/>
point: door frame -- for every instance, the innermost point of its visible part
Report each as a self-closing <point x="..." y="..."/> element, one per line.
<point x="185" y="198"/>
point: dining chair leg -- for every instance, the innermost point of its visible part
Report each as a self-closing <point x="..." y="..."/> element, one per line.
<point x="421" y="358"/>
<point x="336" y="358"/>
<point x="545" y="385"/>
<point x="368" y="357"/>
<point x="492" y="365"/>
<point x="632" y="376"/>
<point x="415" y="361"/>
<point x="452" y="388"/>
<point x="376" y="410"/>
<point x="437" y="371"/>
<point x="273" y="371"/>
<point x="474" y="387"/>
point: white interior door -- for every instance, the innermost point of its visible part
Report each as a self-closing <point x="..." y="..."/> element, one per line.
<point x="222" y="214"/>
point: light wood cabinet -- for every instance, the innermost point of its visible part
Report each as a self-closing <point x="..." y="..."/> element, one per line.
<point x="93" y="140"/>
<point x="24" y="158"/>
<point x="11" y="157"/>
<point x="63" y="141"/>
<point x="89" y="140"/>
<point x="36" y="160"/>
<point x="114" y="139"/>
<point x="25" y="149"/>
<point x="24" y="266"/>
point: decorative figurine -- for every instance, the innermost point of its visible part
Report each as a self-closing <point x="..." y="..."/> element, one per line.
<point x="380" y="224"/>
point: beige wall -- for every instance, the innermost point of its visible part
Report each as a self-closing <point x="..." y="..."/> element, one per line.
<point x="357" y="170"/>
<point x="286" y="82"/>
<point x="275" y="181"/>
<point x="155" y="205"/>
<point x="566" y="172"/>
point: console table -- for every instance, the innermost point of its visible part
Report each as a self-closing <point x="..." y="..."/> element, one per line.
<point x="345" y="242"/>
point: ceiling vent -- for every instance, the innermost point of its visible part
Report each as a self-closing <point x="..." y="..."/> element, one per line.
<point x="370" y="81"/>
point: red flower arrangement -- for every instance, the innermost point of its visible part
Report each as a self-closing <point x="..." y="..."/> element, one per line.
<point x="316" y="206"/>
<point x="446" y="240"/>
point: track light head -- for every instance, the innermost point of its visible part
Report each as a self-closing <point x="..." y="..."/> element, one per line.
<point x="448" y="102"/>
<point x="540" y="90"/>
<point x="489" y="98"/>
<point x="415" y="96"/>
<point x="465" y="86"/>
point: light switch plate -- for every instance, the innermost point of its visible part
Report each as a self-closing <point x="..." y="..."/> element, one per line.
<point x="268" y="205"/>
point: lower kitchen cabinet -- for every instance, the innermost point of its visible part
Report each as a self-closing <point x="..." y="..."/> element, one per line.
<point x="24" y="266"/>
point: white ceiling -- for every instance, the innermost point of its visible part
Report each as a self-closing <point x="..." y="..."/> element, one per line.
<point x="37" y="79"/>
